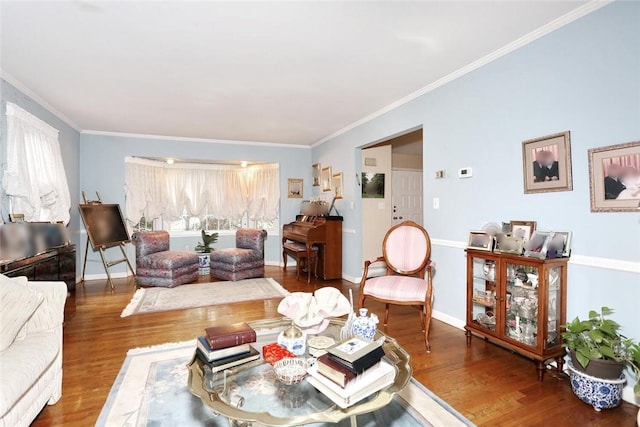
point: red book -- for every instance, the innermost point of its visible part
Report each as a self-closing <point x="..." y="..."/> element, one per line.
<point x="229" y="335"/>
<point x="334" y="371"/>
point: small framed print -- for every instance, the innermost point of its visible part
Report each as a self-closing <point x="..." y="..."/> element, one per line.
<point x="480" y="240"/>
<point x="325" y="179"/>
<point x="547" y="163"/>
<point x="337" y="185"/>
<point x="295" y="188"/>
<point x="509" y="244"/>
<point x="315" y="174"/>
<point x="523" y="229"/>
<point x="16" y="217"/>
<point x="537" y="245"/>
<point x="614" y="178"/>
<point x="559" y="244"/>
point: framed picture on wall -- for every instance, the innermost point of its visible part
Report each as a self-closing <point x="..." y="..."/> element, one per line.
<point x="337" y="185"/>
<point x="372" y="185"/>
<point x="295" y="188"/>
<point x="614" y="178"/>
<point x="325" y="179"/>
<point x="315" y="174"/>
<point x="547" y="163"/>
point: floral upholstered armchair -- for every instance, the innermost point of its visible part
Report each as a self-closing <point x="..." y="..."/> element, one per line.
<point x="156" y="265"/>
<point x="244" y="261"/>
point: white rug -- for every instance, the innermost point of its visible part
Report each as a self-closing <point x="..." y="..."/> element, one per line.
<point x="151" y="390"/>
<point x="149" y="300"/>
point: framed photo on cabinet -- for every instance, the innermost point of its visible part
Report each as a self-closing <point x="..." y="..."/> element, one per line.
<point x="537" y="245"/>
<point x="480" y="240"/>
<point x="547" y="163"/>
<point x="614" y="178"/>
<point x="523" y="229"/>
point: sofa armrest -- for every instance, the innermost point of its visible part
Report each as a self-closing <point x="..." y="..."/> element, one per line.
<point x="50" y="314"/>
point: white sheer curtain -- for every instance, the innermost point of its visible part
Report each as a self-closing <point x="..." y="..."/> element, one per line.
<point x="35" y="180"/>
<point x="261" y="183"/>
<point x="155" y="189"/>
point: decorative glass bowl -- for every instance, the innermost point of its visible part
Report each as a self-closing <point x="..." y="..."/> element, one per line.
<point x="290" y="371"/>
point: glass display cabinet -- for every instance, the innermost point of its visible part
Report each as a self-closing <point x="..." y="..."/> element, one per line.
<point x="519" y="303"/>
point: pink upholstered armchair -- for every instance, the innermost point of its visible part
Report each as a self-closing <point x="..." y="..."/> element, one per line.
<point x="244" y="261"/>
<point x="406" y="253"/>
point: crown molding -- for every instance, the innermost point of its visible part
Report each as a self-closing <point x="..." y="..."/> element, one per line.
<point x="188" y="139"/>
<point x="557" y="23"/>
<point x="37" y="98"/>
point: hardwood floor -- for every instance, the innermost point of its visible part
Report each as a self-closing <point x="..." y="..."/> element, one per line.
<point x="489" y="385"/>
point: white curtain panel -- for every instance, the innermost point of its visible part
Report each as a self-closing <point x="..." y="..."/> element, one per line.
<point x="155" y="189"/>
<point x="262" y="184"/>
<point x="35" y="180"/>
<point x="144" y="189"/>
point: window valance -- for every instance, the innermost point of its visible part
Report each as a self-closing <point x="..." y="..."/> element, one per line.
<point x="154" y="189"/>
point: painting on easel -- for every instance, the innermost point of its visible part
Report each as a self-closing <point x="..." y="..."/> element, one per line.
<point x="105" y="225"/>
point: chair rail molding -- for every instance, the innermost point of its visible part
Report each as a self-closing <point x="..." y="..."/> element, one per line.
<point x="576" y="259"/>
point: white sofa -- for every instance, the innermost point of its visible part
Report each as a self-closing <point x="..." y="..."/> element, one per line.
<point x="31" y="316"/>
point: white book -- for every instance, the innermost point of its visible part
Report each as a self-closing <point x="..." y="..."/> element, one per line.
<point x="373" y="379"/>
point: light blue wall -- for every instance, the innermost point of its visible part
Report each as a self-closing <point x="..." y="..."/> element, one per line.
<point x="102" y="169"/>
<point x="69" y="140"/>
<point x="584" y="78"/>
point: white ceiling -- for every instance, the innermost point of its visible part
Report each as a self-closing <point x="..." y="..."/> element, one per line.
<point x="283" y="72"/>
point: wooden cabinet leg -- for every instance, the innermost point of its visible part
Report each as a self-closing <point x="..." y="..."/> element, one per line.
<point x="468" y="335"/>
<point x="541" y="369"/>
<point x="560" y="363"/>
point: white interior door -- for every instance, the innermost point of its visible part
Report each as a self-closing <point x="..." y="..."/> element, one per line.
<point x="406" y="195"/>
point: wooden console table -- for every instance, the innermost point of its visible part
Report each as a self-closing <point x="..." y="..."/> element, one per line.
<point x="52" y="265"/>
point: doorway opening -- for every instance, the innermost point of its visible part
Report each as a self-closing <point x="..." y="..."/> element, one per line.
<point x="400" y="160"/>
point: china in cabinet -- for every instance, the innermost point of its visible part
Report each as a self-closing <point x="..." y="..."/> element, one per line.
<point x="519" y="303"/>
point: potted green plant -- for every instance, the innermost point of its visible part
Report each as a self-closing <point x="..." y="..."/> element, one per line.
<point x="207" y="240"/>
<point x="204" y="249"/>
<point x="599" y="353"/>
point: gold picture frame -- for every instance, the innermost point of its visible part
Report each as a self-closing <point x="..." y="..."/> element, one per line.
<point x="325" y="179"/>
<point x="523" y="229"/>
<point x="338" y="185"/>
<point x="295" y="188"/>
<point x="547" y="163"/>
<point x="315" y="174"/>
<point x="615" y="190"/>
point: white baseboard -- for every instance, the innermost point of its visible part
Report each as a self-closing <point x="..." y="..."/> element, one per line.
<point x="449" y="320"/>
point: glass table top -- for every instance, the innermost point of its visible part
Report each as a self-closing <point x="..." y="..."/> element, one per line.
<point x="251" y="392"/>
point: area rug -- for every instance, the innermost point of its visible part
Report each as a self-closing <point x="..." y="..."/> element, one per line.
<point x="151" y="390"/>
<point x="149" y="300"/>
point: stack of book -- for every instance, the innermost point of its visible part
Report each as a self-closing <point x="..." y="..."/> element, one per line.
<point x="226" y="346"/>
<point x="351" y="371"/>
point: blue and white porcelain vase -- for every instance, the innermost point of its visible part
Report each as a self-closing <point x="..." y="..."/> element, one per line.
<point x="363" y="326"/>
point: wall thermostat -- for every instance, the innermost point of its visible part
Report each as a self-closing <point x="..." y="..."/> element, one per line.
<point x="465" y="173"/>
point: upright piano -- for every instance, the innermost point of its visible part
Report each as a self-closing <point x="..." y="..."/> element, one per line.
<point x="326" y="233"/>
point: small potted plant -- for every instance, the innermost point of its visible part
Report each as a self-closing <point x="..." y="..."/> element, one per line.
<point x="204" y="249"/>
<point x="599" y="354"/>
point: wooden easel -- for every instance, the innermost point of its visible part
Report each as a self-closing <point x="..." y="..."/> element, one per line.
<point x="106" y="263"/>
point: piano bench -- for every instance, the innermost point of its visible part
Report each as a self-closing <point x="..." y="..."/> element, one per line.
<point x="299" y="252"/>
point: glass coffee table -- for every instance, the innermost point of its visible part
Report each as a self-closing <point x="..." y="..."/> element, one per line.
<point x="250" y="394"/>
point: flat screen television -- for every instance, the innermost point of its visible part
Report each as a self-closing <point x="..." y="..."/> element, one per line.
<point x="105" y="225"/>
